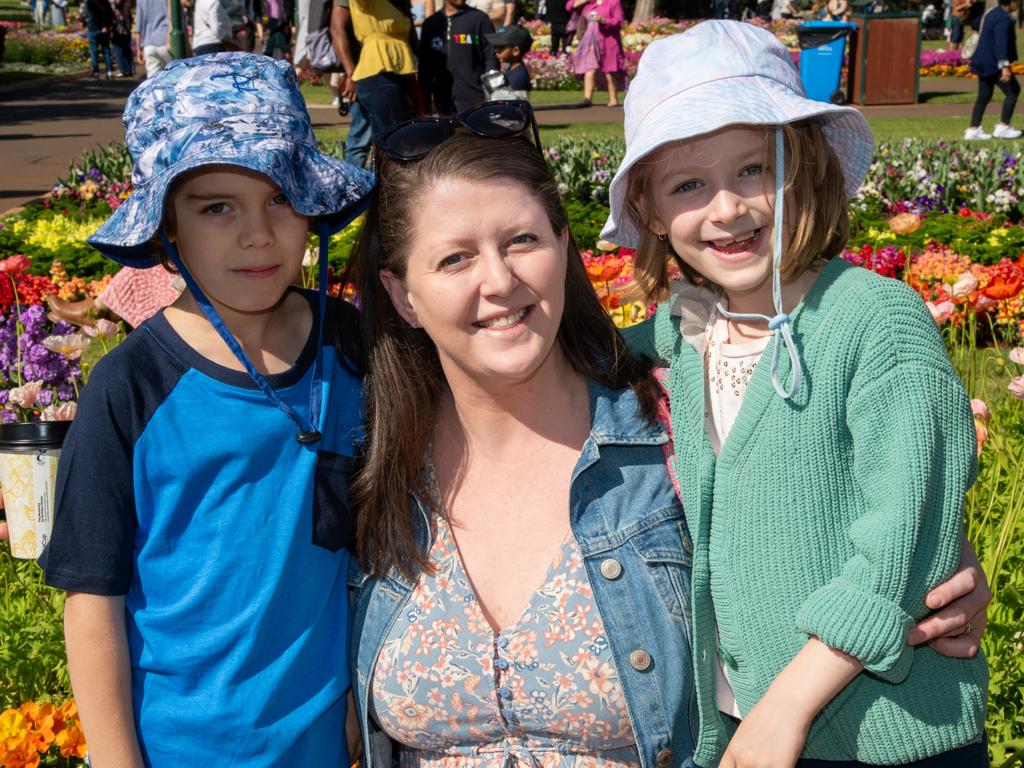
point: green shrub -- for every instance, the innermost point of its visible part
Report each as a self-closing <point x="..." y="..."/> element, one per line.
<point x="33" y="666"/>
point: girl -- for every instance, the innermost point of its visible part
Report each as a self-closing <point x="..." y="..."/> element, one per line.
<point x="826" y="458"/>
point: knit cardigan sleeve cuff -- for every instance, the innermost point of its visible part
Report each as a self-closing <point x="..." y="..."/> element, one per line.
<point x="865" y="625"/>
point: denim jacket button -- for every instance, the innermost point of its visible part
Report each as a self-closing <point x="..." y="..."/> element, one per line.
<point x="664" y="758"/>
<point x="640" y="660"/>
<point x="611" y="568"/>
<point x="687" y="544"/>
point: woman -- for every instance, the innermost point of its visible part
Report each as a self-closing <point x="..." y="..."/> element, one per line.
<point x="384" y="78"/>
<point x="996" y="51"/>
<point x="600" y="47"/>
<point x="527" y="596"/>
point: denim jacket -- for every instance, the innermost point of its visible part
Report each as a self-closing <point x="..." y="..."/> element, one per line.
<point x="630" y="528"/>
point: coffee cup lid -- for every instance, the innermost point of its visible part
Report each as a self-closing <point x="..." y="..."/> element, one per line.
<point x="33" y="434"/>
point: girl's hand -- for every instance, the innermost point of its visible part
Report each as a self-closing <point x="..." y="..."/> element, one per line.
<point x="772" y="735"/>
<point x="956" y="629"/>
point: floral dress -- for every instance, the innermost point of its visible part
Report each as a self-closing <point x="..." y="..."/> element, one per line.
<point x="544" y="693"/>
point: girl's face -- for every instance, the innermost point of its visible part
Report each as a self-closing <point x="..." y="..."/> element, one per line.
<point x="713" y="197"/>
<point x="238" y="237"/>
<point x="485" y="278"/>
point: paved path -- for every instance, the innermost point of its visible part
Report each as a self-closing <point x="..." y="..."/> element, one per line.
<point x="47" y="125"/>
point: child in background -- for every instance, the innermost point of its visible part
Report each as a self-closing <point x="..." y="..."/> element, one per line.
<point x="201" y="517"/>
<point x="453" y="54"/>
<point x="826" y="457"/>
<point x="510" y="45"/>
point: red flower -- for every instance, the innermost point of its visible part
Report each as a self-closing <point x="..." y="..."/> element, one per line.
<point x="15" y="264"/>
<point x="1007" y="281"/>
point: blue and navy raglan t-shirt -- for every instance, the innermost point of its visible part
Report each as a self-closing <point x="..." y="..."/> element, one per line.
<point x="183" y="488"/>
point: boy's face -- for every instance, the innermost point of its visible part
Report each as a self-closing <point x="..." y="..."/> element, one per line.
<point x="238" y="236"/>
<point x="507" y="54"/>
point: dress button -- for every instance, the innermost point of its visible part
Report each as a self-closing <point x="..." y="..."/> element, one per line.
<point x="611" y="568"/>
<point x="501" y="664"/>
<point x="504" y="692"/>
<point x="640" y="660"/>
<point x="664" y="758"/>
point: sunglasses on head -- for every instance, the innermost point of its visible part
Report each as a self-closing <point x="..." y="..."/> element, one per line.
<point x="495" y="119"/>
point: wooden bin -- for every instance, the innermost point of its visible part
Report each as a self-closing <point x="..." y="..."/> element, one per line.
<point x="884" y="60"/>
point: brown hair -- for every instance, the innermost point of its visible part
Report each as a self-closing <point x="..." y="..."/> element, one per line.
<point x="404" y="380"/>
<point x="816" y="209"/>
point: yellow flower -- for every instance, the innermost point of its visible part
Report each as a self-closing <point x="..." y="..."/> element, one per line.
<point x="51" y="234"/>
<point x="14" y="729"/>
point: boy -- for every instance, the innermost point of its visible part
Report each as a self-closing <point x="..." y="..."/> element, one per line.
<point x="200" y="516"/>
<point x="453" y="55"/>
<point x="510" y="45"/>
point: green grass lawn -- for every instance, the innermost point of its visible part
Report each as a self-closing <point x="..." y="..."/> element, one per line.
<point x="321" y="94"/>
<point x="549" y="134"/>
<point x="884" y="128"/>
<point x="941" y="45"/>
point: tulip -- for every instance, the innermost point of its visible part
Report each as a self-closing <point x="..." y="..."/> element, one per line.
<point x="1015" y="387"/>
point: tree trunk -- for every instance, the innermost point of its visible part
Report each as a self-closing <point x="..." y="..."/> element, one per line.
<point x="644" y="10"/>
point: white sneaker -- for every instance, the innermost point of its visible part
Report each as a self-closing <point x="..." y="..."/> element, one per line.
<point x="336" y="101"/>
<point x="976" y="134"/>
<point x="1003" y="131"/>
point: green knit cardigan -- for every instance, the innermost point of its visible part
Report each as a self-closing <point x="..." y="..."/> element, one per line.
<point x="830" y="515"/>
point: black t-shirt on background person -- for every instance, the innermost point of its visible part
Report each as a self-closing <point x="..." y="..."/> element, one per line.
<point x="453" y="54"/>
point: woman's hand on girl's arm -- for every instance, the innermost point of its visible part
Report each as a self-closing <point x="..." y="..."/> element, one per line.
<point x="773" y="733"/>
<point x="959" y="605"/>
<point x="100" y="670"/>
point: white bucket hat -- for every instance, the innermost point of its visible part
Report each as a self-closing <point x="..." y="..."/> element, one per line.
<point x="716" y="74"/>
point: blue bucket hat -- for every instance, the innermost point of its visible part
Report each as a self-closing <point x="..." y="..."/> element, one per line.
<point x="238" y="109"/>
<point x="243" y="110"/>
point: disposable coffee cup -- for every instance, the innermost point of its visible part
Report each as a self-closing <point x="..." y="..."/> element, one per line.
<point x="28" y="476"/>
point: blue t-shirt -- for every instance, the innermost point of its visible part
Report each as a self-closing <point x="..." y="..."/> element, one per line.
<point x="182" y="487"/>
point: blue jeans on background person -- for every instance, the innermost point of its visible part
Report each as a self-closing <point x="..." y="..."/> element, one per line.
<point x="99" y="42"/>
<point x="357" y="143"/>
<point x="124" y="55"/>
<point x="383" y="99"/>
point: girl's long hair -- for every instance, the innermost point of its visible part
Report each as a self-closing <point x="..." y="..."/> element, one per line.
<point x="404" y="380"/>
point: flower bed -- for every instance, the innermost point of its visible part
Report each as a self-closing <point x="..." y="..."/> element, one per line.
<point x="49" y="48"/>
<point x="945" y="218"/>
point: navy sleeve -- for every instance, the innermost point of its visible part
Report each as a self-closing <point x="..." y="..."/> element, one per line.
<point x="518" y="78"/>
<point x="92" y="546"/>
<point x="1002" y="32"/>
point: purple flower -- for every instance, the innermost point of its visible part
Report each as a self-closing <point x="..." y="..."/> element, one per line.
<point x="65" y="392"/>
<point x="45" y="397"/>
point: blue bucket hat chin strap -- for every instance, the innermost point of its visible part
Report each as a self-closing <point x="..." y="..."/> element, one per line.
<point x="309" y="430"/>
<point x="780" y="324"/>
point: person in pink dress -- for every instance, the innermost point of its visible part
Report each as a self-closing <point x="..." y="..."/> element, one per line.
<point x="600" y="47"/>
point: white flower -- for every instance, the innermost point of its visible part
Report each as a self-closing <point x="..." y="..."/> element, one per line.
<point x="1017" y="355"/>
<point x="63" y="412"/>
<point x="25" y="395"/>
<point x="965" y="284"/>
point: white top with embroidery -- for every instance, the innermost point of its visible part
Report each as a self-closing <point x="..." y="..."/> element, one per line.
<point x="729" y="368"/>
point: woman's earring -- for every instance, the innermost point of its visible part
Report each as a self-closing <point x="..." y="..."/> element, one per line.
<point x="663" y="237"/>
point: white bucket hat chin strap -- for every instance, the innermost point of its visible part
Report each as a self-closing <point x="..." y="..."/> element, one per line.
<point x="780" y="324"/>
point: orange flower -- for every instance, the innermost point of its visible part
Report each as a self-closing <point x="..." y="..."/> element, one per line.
<point x="905" y="223"/>
<point x="71" y="741"/>
<point x="1007" y="281"/>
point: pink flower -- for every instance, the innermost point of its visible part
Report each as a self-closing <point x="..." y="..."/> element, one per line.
<point x="15" y="264"/>
<point x="63" y="412"/>
<point x="104" y="329"/>
<point x="25" y="396"/>
<point x="1016" y="387"/>
<point x="941" y="311"/>
<point x="980" y="410"/>
<point x="1017" y="355"/>
<point x="983" y="302"/>
<point x="71" y="346"/>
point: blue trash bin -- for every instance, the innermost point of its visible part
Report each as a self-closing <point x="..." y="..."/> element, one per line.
<point x="822" y="47"/>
